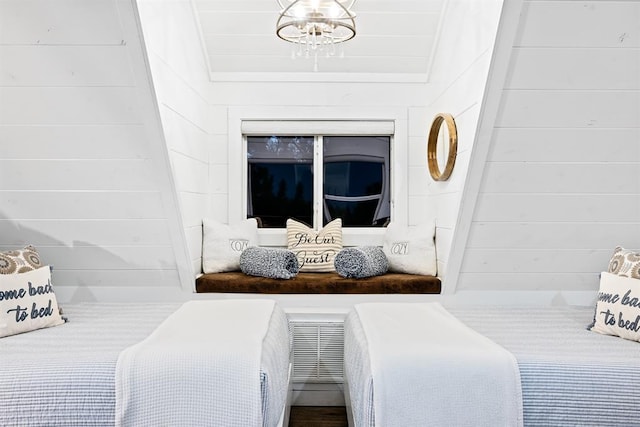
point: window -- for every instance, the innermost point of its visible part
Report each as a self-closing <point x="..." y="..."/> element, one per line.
<point x="317" y="178"/>
<point x="280" y="179"/>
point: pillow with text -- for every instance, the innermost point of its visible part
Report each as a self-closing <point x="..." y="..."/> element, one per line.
<point x="27" y="302"/>
<point x="618" y="307"/>
<point x="315" y="250"/>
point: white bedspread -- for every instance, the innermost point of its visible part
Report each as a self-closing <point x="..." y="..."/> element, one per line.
<point x="428" y="368"/>
<point x="200" y="367"/>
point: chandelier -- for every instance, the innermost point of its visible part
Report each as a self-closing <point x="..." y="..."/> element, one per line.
<point x="316" y="26"/>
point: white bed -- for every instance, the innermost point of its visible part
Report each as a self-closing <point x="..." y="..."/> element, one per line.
<point x="569" y="376"/>
<point x="65" y="375"/>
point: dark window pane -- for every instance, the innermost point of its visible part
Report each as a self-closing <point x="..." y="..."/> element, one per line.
<point x="280" y="148"/>
<point x="353" y="179"/>
<point x="280" y="191"/>
<point x="354" y="214"/>
<point x="280" y="180"/>
<point x="357" y="180"/>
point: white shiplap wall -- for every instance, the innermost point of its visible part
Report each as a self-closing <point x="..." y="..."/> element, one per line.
<point x="561" y="182"/>
<point x="456" y="85"/>
<point x="459" y="73"/>
<point x="83" y="166"/>
<point x="181" y="80"/>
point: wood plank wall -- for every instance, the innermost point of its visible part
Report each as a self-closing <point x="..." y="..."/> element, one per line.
<point x="561" y="183"/>
<point x="83" y="167"/>
<point x="459" y="74"/>
<point x="181" y="80"/>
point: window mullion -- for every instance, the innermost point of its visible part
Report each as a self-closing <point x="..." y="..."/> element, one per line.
<point x="318" y="177"/>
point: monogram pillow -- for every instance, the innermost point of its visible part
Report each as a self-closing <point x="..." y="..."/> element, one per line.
<point x="625" y="263"/>
<point x="411" y="250"/>
<point x="315" y="250"/>
<point x="223" y="244"/>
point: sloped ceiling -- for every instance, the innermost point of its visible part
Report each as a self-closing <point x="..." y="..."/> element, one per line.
<point x="395" y="41"/>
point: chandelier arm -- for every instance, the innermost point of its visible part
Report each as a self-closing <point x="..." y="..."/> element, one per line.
<point x="348" y="3"/>
<point x="348" y="6"/>
<point x="316" y="27"/>
<point x="286" y="9"/>
<point x="280" y="27"/>
<point x="350" y="15"/>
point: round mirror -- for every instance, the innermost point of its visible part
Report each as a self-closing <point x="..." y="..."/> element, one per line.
<point x="442" y="146"/>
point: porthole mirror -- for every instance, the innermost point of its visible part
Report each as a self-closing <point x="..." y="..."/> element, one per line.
<point x="442" y="146"/>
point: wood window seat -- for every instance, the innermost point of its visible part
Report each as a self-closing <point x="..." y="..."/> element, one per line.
<point x="318" y="283"/>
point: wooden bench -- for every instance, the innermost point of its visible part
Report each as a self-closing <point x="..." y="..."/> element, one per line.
<point x="318" y="283"/>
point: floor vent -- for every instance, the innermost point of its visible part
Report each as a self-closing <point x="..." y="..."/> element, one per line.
<point x="318" y="351"/>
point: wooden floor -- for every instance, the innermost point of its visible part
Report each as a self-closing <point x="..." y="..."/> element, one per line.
<point x="318" y="416"/>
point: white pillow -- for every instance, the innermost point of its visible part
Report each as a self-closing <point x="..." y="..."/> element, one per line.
<point x="315" y="250"/>
<point x="223" y="244"/>
<point x="618" y="307"/>
<point x="27" y="302"/>
<point x="411" y="250"/>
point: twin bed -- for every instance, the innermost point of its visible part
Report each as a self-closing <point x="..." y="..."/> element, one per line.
<point x="75" y="374"/>
<point x="569" y="376"/>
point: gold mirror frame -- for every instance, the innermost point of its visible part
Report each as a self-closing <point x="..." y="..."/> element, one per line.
<point x="432" y="157"/>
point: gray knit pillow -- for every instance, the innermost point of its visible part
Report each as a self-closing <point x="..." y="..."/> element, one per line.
<point x="362" y="261"/>
<point x="269" y="262"/>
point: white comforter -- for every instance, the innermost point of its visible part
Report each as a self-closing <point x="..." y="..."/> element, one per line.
<point x="200" y="367"/>
<point x="428" y="368"/>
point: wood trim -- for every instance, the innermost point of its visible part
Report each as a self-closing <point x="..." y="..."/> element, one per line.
<point x="318" y="283"/>
<point x="432" y="146"/>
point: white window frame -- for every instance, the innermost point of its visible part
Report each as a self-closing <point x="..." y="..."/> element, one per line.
<point x="237" y="160"/>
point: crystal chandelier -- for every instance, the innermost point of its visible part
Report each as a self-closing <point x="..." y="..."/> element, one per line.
<point x="316" y="26"/>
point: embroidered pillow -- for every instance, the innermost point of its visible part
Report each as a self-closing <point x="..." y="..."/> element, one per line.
<point x="411" y="250"/>
<point x="27" y="302"/>
<point x="19" y="261"/>
<point x="618" y="307"/>
<point x="625" y="263"/>
<point x="315" y="250"/>
<point x="222" y="244"/>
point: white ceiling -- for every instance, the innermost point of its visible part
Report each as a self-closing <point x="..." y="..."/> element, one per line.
<point x="394" y="41"/>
